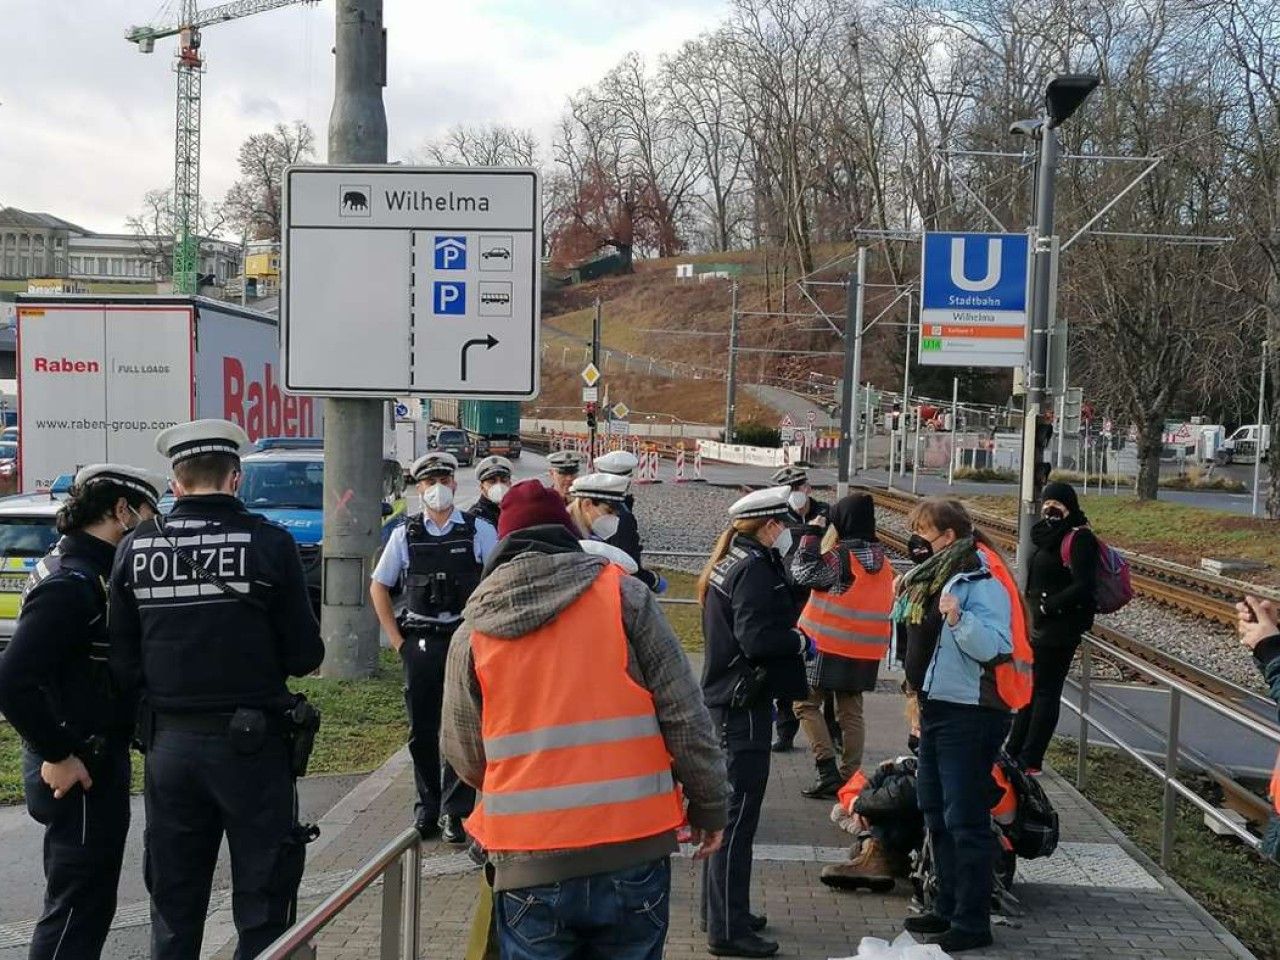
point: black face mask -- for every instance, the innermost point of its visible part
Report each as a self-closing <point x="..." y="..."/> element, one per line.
<point x="919" y="548"/>
<point x="1053" y="517"/>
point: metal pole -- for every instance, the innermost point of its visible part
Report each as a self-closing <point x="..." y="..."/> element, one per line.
<point x="1062" y="423"/>
<point x="596" y="323"/>
<point x="1168" y="816"/>
<point x="906" y="390"/>
<point x="412" y="902"/>
<point x="1038" y="346"/>
<point x="915" y="458"/>
<point x="731" y="389"/>
<point x="1257" y="453"/>
<point x="354" y="429"/>
<point x="392" y="912"/>
<point x="893" y="448"/>
<point x="866" y="445"/>
<point x="852" y="373"/>
<point x="955" y="422"/>
<point x="1082" y="745"/>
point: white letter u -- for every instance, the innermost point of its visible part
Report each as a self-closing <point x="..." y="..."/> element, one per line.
<point x="958" y="277"/>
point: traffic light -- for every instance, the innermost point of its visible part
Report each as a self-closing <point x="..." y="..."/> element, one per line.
<point x="591" y="416"/>
<point x="1072" y="405"/>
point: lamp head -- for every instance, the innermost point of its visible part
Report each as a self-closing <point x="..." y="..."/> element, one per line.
<point x="1065" y="94"/>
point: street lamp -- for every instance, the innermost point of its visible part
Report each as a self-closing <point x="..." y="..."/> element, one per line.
<point x="1063" y="96"/>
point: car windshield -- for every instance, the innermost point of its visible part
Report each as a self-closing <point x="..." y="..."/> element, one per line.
<point x="26" y="536"/>
<point x="451" y="436"/>
<point x="8" y="450"/>
<point x="296" y="485"/>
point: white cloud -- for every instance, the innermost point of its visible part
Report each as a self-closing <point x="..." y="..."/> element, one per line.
<point x="87" y="123"/>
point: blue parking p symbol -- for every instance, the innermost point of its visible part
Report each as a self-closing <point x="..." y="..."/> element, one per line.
<point x="451" y="253"/>
<point x="450" y="299"/>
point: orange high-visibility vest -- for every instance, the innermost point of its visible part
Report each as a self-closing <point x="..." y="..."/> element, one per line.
<point x="1275" y="787"/>
<point x="854" y="624"/>
<point x="574" y="754"/>
<point x="1007" y="806"/>
<point x="847" y="796"/>
<point x="1013" y="676"/>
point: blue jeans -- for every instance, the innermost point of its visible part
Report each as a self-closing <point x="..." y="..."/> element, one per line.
<point x="958" y="746"/>
<point x="608" y="916"/>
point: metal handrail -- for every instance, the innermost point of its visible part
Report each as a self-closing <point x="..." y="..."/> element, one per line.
<point x="1173" y="786"/>
<point x="399" y="864"/>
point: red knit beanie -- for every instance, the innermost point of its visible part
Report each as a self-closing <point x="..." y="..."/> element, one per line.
<point x="530" y="504"/>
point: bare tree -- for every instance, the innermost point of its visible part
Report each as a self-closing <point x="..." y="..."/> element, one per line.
<point x="483" y="145"/>
<point x="253" y="205"/>
<point x="155" y="225"/>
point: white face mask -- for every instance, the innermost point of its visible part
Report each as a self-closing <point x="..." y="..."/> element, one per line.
<point x="497" y="491"/>
<point x="797" y="499"/>
<point x="605" y="525"/>
<point x="783" y="543"/>
<point x="438" y="498"/>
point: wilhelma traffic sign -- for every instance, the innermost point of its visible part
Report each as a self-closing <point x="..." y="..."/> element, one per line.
<point x="403" y="281"/>
<point x="973" y="305"/>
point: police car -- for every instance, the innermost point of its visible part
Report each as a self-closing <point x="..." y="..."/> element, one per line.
<point x="284" y="482"/>
<point x="27" y="531"/>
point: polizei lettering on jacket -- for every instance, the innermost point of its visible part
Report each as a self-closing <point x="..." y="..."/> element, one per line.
<point x="160" y="574"/>
<point x="423" y="200"/>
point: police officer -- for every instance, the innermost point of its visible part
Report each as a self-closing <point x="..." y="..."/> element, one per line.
<point x="623" y="464"/>
<point x="438" y="555"/>
<point x="56" y="690"/>
<point x="565" y="465"/>
<point x="805" y="508"/>
<point x="494" y="476"/>
<point x="754" y="654"/>
<point x="209" y="617"/>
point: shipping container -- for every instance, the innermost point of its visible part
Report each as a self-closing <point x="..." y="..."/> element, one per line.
<point x="493" y="425"/>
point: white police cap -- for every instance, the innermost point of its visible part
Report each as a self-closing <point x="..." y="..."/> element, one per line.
<point x="601" y="486"/>
<point x="438" y="462"/>
<point x="620" y="462"/>
<point x="199" y="437"/>
<point x="790" y="476"/>
<point x="611" y="553"/>
<point x="565" y="461"/>
<point x="140" y="481"/>
<point x="770" y="502"/>
<point x="490" y="467"/>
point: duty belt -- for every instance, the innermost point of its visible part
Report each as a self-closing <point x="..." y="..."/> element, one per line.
<point x="211" y="722"/>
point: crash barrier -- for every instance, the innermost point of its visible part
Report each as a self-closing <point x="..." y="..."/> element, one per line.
<point x="750" y="456"/>
<point x="1175" y="753"/>
<point x="399" y="866"/>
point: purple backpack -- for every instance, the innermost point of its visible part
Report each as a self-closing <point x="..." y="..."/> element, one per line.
<point x="1115" y="588"/>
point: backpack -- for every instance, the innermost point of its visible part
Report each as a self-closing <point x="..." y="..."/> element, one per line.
<point x="1034" y="831"/>
<point x="1114" y="587"/>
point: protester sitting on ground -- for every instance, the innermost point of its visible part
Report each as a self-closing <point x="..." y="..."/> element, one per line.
<point x="847" y="614"/>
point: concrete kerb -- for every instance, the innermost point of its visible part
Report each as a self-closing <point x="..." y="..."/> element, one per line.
<point x="219" y="928"/>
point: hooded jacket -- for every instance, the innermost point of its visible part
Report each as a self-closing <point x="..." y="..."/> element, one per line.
<point x="533" y="575"/>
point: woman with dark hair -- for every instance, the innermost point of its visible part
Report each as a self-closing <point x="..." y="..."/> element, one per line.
<point x="975" y="674"/>
<point x="56" y="690"/>
<point x="847" y="614"/>
<point x="1061" y="597"/>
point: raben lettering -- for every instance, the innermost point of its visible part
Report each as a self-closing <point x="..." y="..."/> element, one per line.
<point x="260" y="407"/>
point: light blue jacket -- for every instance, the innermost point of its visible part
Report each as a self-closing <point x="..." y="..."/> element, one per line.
<point x="963" y="666"/>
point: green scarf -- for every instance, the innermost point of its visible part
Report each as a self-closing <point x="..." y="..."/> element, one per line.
<point x="922" y="583"/>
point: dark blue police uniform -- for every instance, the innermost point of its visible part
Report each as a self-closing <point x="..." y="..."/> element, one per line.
<point x="212" y="665"/>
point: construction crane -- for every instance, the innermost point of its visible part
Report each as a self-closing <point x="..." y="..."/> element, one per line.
<point x="189" y="67"/>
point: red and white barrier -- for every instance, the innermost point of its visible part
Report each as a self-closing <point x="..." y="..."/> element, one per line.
<point x="647" y="469"/>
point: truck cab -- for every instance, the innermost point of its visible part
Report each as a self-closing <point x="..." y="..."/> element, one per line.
<point x="1243" y="444"/>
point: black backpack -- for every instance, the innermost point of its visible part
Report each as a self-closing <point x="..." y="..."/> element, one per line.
<point x="1034" y="831"/>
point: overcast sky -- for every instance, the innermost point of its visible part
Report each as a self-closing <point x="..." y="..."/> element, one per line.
<point x="86" y="122"/>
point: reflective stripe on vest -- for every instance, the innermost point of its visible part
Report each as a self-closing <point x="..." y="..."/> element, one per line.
<point x="1013" y="676"/>
<point x="1275" y="787"/>
<point x="574" y="754"/>
<point x="854" y="624"/>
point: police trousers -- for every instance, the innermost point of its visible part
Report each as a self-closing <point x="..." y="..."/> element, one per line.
<point x="439" y="789"/>
<point x="198" y="787"/>
<point x="726" y="874"/>
<point x="84" y="840"/>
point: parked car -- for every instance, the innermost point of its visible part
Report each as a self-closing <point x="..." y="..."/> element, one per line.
<point x="458" y="442"/>
<point x="27" y="531"/>
<point x="8" y="466"/>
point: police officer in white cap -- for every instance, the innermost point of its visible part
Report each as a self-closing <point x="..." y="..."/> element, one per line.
<point x="565" y="465"/>
<point x="209" y="617"/>
<point x="623" y="464"/>
<point x="56" y="691"/>
<point x="494" y="477"/>
<point x="437" y="556"/>
<point x="754" y="654"/>
<point x="806" y="510"/>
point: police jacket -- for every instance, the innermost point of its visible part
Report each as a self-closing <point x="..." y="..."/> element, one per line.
<point x="443" y="571"/>
<point x="191" y="646"/>
<point x="748" y="620"/>
<point x="627" y="539"/>
<point x="55" y="686"/>
<point x="485" y="509"/>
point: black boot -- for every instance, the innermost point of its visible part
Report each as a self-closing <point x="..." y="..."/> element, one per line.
<point x="828" y="782"/>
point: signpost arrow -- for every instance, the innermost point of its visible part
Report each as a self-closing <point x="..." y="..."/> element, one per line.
<point x="489" y="343"/>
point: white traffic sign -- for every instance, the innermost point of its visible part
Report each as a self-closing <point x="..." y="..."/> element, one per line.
<point x="619" y="428"/>
<point x="786" y="421"/>
<point x="590" y="394"/>
<point x="620" y="411"/>
<point x="812" y="416"/>
<point x="590" y="374"/>
<point x="973" y="310"/>
<point x="408" y="281"/>
<point x="786" y="434"/>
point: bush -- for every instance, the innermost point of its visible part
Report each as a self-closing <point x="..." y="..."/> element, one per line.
<point x="755" y="434"/>
<point x="986" y="475"/>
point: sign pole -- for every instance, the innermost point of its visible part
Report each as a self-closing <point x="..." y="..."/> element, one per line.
<point x="906" y="392"/>
<point x="595" y="362"/>
<point x="731" y="389"/>
<point x="1257" y="453"/>
<point x="852" y="373"/>
<point x="353" y="427"/>
<point x="955" y="420"/>
<point x="866" y="426"/>
<point x="1033" y="440"/>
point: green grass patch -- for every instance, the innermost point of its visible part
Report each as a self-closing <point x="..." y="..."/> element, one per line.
<point x="1240" y="889"/>
<point x="10" y="765"/>
<point x="685" y="618"/>
<point x="1175" y="531"/>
